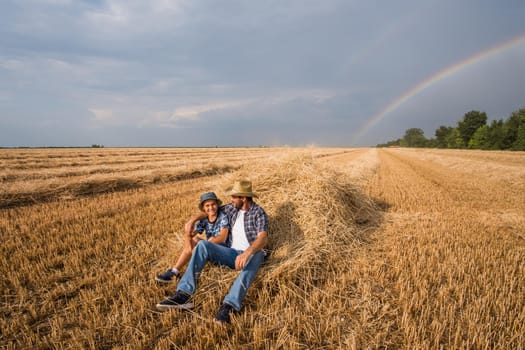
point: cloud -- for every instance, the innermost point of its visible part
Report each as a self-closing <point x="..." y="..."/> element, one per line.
<point x="185" y="116"/>
<point x="301" y="71"/>
<point x="102" y="115"/>
<point x="193" y="112"/>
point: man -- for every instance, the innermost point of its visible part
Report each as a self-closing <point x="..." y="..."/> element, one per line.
<point x="249" y="224"/>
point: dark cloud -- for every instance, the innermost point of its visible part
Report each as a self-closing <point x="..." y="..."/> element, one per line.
<point x="190" y="73"/>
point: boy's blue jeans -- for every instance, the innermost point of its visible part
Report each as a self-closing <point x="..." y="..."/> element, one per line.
<point x="220" y="255"/>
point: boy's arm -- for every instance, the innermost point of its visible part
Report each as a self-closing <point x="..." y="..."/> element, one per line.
<point x="221" y="237"/>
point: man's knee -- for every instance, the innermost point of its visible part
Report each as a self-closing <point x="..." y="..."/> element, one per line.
<point x="258" y="259"/>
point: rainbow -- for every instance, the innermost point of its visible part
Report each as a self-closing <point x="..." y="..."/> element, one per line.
<point x="394" y="104"/>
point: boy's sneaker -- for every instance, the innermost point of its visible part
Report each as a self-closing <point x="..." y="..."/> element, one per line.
<point x="223" y="316"/>
<point x="167" y="277"/>
<point x="179" y="300"/>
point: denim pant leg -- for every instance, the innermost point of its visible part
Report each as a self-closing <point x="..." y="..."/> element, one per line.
<point x="205" y="251"/>
<point x="241" y="284"/>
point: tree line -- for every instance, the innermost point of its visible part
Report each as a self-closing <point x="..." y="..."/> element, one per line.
<point x="473" y="132"/>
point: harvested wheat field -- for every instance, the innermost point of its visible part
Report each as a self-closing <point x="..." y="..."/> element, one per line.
<point x="370" y="248"/>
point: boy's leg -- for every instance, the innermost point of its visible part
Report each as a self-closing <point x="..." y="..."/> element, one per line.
<point x="185" y="256"/>
<point x="174" y="272"/>
<point x="203" y="252"/>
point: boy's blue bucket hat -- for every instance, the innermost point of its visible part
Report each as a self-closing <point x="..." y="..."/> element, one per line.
<point x="209" y="195"/>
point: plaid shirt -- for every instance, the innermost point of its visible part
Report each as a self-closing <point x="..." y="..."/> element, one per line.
<point x="255" y="220"/>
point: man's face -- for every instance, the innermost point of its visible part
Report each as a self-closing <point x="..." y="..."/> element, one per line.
<point x="238" y="202"/>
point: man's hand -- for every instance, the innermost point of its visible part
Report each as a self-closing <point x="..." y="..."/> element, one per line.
<point x="242" y="260"/>
<point x="188" y="227"/>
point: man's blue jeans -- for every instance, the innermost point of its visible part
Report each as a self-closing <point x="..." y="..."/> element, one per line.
<point x="220" y="255"/>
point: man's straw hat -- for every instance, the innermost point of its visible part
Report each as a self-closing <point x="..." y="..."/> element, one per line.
<point x="242" y="188"/>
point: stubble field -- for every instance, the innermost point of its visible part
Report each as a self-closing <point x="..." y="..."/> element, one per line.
<point x="370" y="248"/>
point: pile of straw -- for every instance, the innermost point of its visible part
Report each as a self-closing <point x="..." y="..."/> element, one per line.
<point x="318" y="219"/>
<point x="314" y="212"/>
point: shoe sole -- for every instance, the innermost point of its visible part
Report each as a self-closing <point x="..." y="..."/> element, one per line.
<point x="162" y="307"/>
<point x="163" y="281"/>
<point x="223" y="323"/>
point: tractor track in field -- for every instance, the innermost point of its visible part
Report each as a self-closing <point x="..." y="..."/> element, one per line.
<point x="449" y="249"/>
<point x="37" y="178"/>
<point x="89" y="188"/>
<point x="461" y="185"/>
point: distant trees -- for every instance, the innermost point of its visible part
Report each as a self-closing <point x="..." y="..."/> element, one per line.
<point x="414" y="138"/>
<point x="473" y="132"/>
<point x="442" y="134"/>
<point x="480" y="138"/>
<point x="454" y="139"/>
<point x="393" y="143"/>
<point x="519" y="144"/>
<point x="471" y="122"/>
<point x="516" y="131"/>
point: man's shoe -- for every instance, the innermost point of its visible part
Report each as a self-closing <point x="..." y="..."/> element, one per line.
<point x="179" y="300"/>
<point x="223" y="316"/>
<point x="167" y="277"/>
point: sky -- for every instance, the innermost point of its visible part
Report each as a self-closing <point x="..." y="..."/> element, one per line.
<point x="160" y="73"/>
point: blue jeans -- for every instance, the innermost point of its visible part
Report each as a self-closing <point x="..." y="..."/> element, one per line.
<point x="220" y="255"/>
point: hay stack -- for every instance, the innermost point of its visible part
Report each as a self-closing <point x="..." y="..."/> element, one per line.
<point x="300" y="296"/>
<point x="317" y="218"/>
<point x="314" y="213"/>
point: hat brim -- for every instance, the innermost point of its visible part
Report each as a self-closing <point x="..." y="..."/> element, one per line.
<point x="242" y="194"/>
<point x="201" y="204"/>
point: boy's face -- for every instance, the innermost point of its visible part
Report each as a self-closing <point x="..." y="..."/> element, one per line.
<point x="210" y="207"/>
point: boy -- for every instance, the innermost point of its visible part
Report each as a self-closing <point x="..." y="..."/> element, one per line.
<point x="217" y="228"/>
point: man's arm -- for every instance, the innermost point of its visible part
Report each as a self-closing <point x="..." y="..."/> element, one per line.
<point x="188" y="227"/>
<point x="189" y="236"/>
<point x="242" y="259"/>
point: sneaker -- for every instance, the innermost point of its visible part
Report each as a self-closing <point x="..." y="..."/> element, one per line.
<point x="179" y="300"/>
<point x="167" y="277"/>
<point x="223" y="316"/>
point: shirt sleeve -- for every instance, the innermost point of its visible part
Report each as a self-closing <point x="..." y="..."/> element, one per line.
<point x="223" y="221"/>
<point x="261" y="221"/>
<point x="200" y="226"/>
<point x="228" y="209"/>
